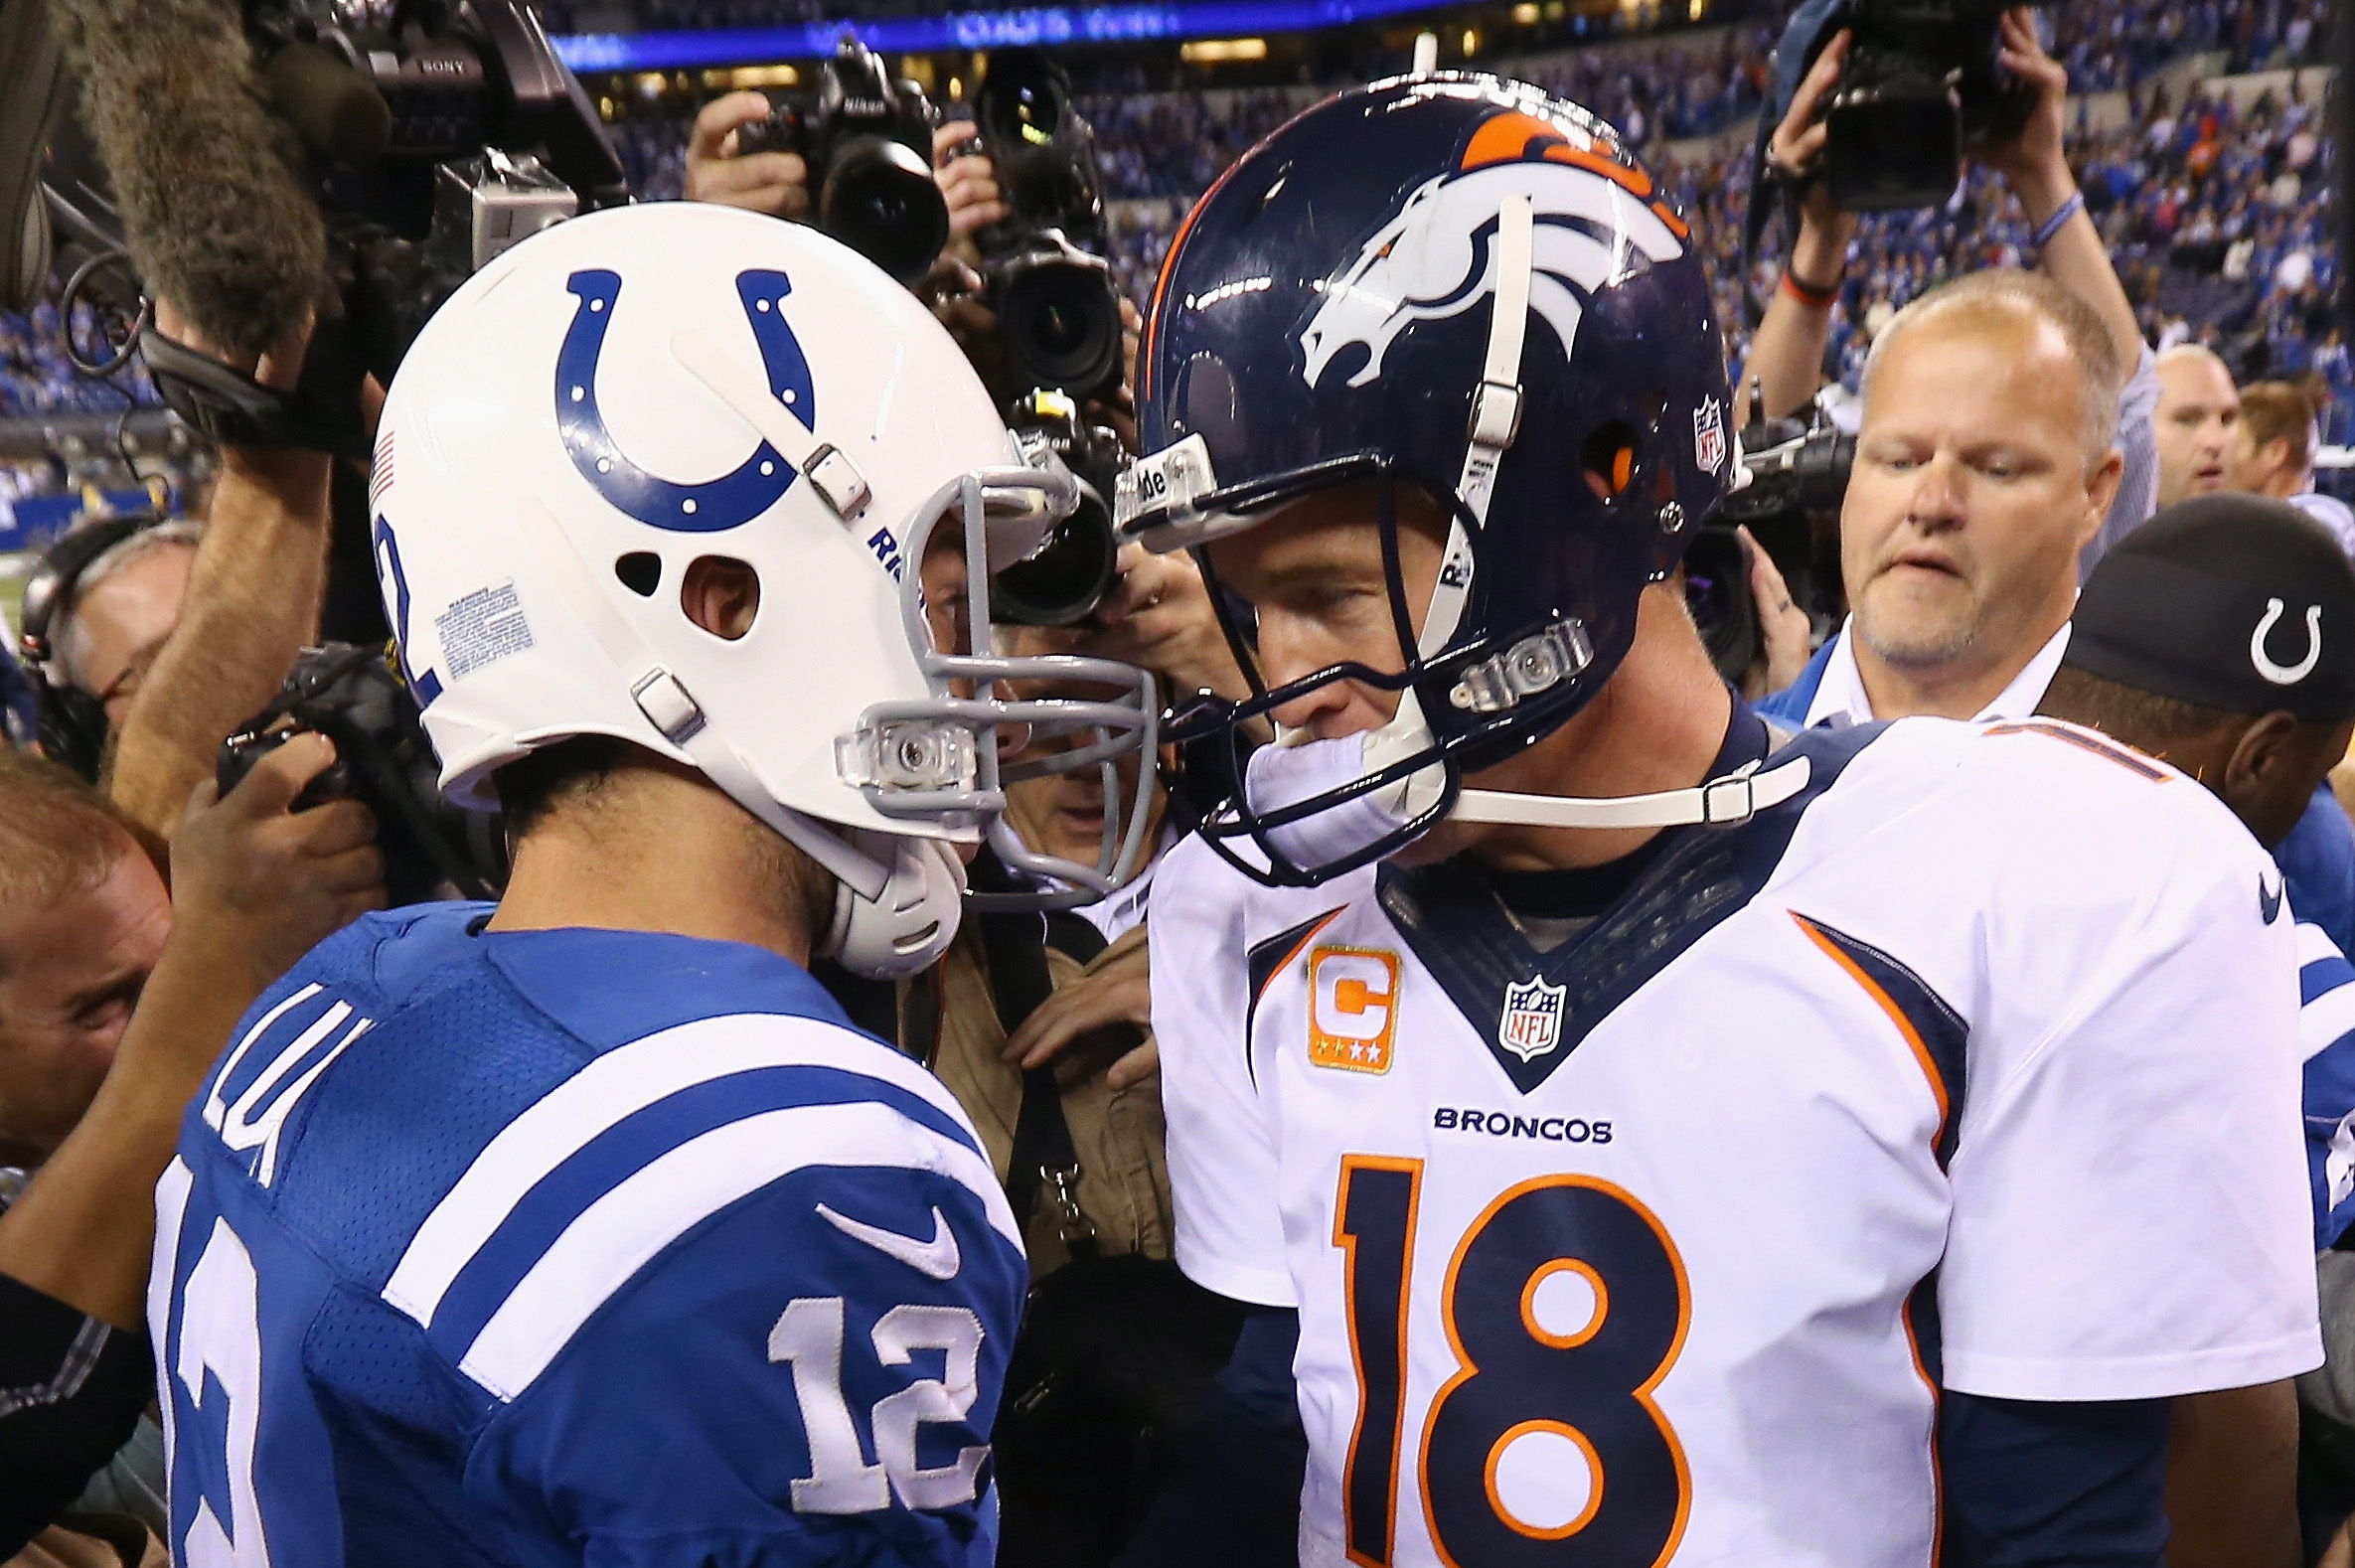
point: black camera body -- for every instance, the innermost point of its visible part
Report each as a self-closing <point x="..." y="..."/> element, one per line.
<point x="1922" y="84"/>
<point x="1793" y="467"/>
<point x="352" y="696"/>
<point x="1057" y="306"/>
<point x="1062" y="582"/>
<point x="1791" y="504"/>
<point x="867" y="144"/>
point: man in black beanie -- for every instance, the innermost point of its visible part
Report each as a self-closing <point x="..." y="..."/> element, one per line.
<point x="2220" y="638"/>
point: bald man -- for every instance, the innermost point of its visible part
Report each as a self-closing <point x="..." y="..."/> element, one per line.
<point x="1985" y="463"/>
<point x="2199" y="415"/>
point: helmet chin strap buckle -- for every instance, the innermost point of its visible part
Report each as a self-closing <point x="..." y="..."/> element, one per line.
<point x="1495" y="415"/>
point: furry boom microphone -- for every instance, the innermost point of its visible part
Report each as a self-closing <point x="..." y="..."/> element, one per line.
<point x="216" y="214"/>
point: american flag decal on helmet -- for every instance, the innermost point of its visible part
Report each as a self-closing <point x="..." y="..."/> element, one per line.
<point x="380" y="472"/>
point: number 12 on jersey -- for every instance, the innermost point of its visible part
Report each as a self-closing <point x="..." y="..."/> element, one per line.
<point x="1565" y="1305"/>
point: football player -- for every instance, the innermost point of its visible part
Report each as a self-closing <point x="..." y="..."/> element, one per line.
<point x="582" y="1228"/>
<point x="1691" y="1144"/>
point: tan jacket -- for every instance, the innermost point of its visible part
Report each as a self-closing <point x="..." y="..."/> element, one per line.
<point x="1124" y="1180"/>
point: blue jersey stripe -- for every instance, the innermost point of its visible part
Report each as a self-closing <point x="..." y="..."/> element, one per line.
<point x="611" y="1090"/>
<point x="626" y="1148"/>
<point x="630" y="1226"/>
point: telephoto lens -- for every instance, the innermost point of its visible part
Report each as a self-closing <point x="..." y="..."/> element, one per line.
<point x="1058" y="316"/>
<point x="1062" y="582"/>
<point x="1041" y="149"/>
<point x="1717" y="591"/>
<point x="880" y="201"/>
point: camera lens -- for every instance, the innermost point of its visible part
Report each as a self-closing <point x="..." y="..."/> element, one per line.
<point x="1062" y="324"/>
<point x="1066" y="576"/>
<point x="1023" y="100"/>
<point x="880" y="200"/>
<point x="1717" y="591"/>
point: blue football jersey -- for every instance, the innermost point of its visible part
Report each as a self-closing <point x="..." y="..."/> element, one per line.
<point x="579" y="1247"/>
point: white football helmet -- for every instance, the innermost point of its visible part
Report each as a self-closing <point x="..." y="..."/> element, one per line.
<point x="630" y="390"/>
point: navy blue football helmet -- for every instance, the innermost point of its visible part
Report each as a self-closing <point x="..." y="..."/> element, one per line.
<point x="1462" y="285"/>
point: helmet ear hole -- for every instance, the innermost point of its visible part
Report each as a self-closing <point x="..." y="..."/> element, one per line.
<point x="720" y="595"/>
<point x="640" y="571"/>
<point x="1608" y="457"/>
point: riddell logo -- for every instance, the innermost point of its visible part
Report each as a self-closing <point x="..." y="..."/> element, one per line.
<point x="1352" y="1008"/>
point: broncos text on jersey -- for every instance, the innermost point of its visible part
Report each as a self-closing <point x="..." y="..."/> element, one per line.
<point x="574" y="1246"/>
<point x="1662" y="1241"/>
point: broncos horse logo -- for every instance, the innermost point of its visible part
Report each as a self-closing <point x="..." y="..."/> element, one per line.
<point x="1438" y="258"/>
<point x="736" y="498"/>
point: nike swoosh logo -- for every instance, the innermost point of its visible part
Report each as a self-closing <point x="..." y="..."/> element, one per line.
<point x="2268" y="901"/>
<point x="937" y="1259"/>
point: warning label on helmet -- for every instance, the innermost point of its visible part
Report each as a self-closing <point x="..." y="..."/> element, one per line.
<point x="482" y="628"/>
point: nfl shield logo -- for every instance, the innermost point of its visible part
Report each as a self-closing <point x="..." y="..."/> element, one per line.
<point x="1533" y="1020"/>
<point x="1708" y="435"/>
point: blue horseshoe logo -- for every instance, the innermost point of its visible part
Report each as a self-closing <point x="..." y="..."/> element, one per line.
<point x="723" y="503"/>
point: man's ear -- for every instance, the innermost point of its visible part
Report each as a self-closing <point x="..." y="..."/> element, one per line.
<point x="2100" y="488"/>
<point x="2263" y="750"/>
<point x="721" y="594"/>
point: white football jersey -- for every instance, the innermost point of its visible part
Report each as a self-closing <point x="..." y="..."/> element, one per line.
<point x="1973" y="1067"/>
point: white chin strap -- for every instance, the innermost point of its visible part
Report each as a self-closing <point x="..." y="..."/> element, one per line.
<point x="893" y="916"/>
<point x="1720" y="802"/>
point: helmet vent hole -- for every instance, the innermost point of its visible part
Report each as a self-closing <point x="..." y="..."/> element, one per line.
<point x="720" y="595"/>
<point x="1609" y="458"/>
<point x="640" y="571"/>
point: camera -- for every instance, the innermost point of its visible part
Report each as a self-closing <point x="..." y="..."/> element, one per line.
<point x="867" y="144"/>
<point x="436" y="135"/>
<point x="1791" y="468"/>
<point x="1058" y="309"/>
<point x="1062" y="582"/>
<point x="1058" y="315"/>
<point x="1921" y="86"/>
<point x="1794" y="476"/>
<point x="352" y="696"/>
<point x="1717" y="592"/>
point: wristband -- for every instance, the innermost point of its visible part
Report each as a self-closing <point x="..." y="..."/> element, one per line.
<point x="1805" y="294"/>
<point x="2060" y="219"/>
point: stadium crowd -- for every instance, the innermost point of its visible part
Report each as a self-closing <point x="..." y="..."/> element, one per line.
<point x="988" y="1028"/>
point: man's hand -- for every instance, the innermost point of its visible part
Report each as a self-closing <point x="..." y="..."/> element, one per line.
<point x="2032" y="163"/>
<point x="775" y="183"/>
<point x="1818" y="251"/>
<point x="255" y="885"/>
<point x="1113" y="990"/>
<point x="1159" y="617"/>
<point x="1784" y="629"/>
<point x="969" y="184"/>
<point x="288" y="473"/>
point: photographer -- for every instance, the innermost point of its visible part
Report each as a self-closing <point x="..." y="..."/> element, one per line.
<point x="82" y="914"/>
<point x="252" y="602"/>
<point x="98" y="608"/>
<point x="255" y="885"/>
<point x="1786" y="353"/>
